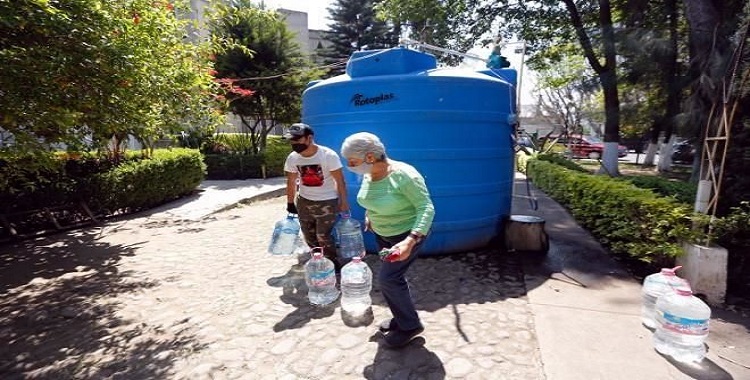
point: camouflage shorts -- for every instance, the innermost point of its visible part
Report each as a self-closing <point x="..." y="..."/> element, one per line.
<point x="316" y="219"/>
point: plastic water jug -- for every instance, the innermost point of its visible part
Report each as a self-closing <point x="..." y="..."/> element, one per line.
<point x="285" y="236"/>
<point x="681" y="325"/>
<point x="349" y="237"/>
<point x="654" y="286"/>
<point x="356" y="284"/>
<point x="320" y="277"/>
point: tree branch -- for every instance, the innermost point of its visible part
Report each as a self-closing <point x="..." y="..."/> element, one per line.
<point x="583" y="38"/>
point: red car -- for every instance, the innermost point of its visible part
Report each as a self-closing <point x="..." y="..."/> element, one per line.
<point x="591" y="147"/>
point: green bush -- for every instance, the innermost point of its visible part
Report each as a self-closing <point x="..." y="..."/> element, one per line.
<point x="61" y="180"/>
<point x="238" y="143"/>
<point x="241" y="166"/>
<point x="733" y="233"/>
<point x="557" y="158"/>
<point x="277" y="149"/>
<point x="522" y="159"/>
<point x="131" y="183"/>
<point x="140" y="184"/>
<point x="681" y="191"/>
<point x="630" y="221"/>
<point x="233" y="166"/>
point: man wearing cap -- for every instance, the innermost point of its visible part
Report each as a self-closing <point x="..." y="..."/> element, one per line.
<point x="321" y="193"/>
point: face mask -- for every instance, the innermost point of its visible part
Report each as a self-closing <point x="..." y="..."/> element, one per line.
<point x="299" y="148"/>
<point x="361" y="169"/>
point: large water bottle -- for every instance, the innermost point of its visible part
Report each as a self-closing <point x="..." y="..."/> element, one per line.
<point x="654" y="286"/>
<point x="320" y="277"/>
<point x="285" y="236"/>
<point x="356" y="284"/>
<point x="349" y="237"/>
<point x="682" y="325"/>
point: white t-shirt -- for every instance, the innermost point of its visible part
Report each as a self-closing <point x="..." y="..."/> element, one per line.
<point x="314" y="173"/>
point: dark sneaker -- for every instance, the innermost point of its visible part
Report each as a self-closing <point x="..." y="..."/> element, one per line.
<point x="397" y="338"/>
<point x="388" y="325"/>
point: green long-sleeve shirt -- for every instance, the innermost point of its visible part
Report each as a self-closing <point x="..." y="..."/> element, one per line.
<point x="398" y="203"/>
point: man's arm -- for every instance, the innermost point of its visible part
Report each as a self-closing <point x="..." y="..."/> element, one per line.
<point x="291" y="186"/>
<point x="338" y="175"/>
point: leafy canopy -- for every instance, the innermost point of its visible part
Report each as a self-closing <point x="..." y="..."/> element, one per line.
<point x="82" y="71"/>
<point x="261" y="66"/>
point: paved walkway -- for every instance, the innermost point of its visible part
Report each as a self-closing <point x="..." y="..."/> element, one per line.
<point x="178" y="293"/>
<point x="587" y="312"/>
<point x="217" y="196"/>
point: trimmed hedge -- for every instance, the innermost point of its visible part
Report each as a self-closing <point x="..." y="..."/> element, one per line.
<point x="522" y="160"/>
<point x="630" y="221"/>
<point x="141" y="184"/>
<point x="681" y="191"/>
<point x="134" y="183"/>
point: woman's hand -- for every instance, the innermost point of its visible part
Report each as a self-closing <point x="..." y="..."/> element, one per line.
<point x="405" y="247"/>
<point x="368" y="227"/>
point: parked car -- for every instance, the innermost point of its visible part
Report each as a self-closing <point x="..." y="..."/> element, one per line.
<point x="590" y="147"/>
<point x="683" y="152"/>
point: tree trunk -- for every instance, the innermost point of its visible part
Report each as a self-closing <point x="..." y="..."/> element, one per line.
<point x="665" y="155"/>
<point x="607" y="77"/>
<point x="703" y="19"/>
<point x="670" y="83"/>
<point x="611" y="123"/>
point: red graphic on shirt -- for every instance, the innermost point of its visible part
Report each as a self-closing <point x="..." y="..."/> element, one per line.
<point x="311" y="175"/>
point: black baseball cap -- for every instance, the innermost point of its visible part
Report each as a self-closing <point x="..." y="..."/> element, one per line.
<point x="298" y="130"/>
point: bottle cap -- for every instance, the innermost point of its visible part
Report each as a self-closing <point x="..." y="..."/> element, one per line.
<point x="384" y="252"/>
<point x="317" y="252"/>
<point x="683" y="290"/>
<point x="670" y="271"/>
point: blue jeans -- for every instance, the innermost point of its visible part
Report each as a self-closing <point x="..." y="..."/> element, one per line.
<point x="394" y="286"/>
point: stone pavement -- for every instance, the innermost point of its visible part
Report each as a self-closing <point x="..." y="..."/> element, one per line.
<point x="142" y="298"/>
<point x="177" y="293"/>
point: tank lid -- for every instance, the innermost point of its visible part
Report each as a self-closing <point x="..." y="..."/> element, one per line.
<point x="393" y="61"/>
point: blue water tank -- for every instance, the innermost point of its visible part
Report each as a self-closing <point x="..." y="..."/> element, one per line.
<point x="453" y="125"/>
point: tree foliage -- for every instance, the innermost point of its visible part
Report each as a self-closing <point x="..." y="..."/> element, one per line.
<point x="566" y="89"/>
<point x="260" y="66"/>
<point x="736" y="183"/>
<point x="547" y="23"/>
<point x="437" y="22"/>
<point x="84" y="72"/>
<point x="355" y="28"/>
<point x="653" y="69"/>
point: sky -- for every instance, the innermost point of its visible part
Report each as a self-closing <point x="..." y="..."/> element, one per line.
<point x="317" y="18"/>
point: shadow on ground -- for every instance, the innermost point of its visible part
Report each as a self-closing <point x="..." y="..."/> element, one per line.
<point x="294" y="292"/>
<point x="706" y="369"/>
<point x="484" y="276"/>
<point x="414" y="361"/>
<point x="58" y="320"/>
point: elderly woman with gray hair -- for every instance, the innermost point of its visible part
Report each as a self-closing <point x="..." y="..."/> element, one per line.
<point x="398" y="209"/>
